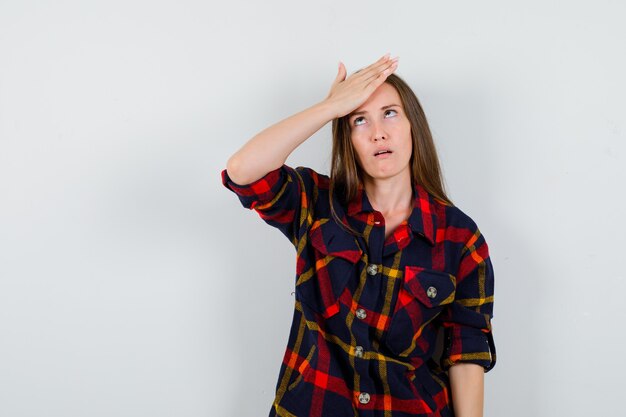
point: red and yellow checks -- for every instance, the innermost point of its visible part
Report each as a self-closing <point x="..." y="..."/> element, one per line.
<point x="368" y="309"/>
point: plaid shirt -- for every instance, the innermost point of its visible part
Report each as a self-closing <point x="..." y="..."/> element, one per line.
<point x="368" y="310"/>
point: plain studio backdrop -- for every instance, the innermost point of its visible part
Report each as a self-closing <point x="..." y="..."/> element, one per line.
<point x="132" y="283"/>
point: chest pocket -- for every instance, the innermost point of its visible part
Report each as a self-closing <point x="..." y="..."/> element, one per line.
<point x="424" y="293"/>
<point x="334" y="255"/>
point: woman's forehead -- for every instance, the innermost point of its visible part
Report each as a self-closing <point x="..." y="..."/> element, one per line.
<point x="384" y="96"/>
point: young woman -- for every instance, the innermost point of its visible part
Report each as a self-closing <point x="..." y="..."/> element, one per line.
<point x="384" y="259"/>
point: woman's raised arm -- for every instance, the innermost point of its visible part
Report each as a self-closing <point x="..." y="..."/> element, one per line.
<point x="269" y="149"/>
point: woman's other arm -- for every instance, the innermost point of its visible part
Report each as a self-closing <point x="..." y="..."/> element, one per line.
<point x="269" y="149"/>
<point x="467" y="381"/>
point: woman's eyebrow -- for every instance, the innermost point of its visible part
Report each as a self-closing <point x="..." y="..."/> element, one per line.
<point x="382" y="108"/>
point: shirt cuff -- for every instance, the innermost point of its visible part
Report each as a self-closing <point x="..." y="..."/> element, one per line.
<point x="259" y="192"/>
<point x="465" y="344"/>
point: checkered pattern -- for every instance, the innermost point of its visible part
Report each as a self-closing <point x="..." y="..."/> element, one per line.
<point x="368" y="309"/>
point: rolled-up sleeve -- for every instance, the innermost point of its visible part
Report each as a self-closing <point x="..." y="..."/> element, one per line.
<point x="280" y="198"/>
<point x="468" y="333"/>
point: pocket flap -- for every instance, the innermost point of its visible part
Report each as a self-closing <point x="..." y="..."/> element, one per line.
<point x="336" y="254"/>
<point x="432" y="288"/>
<point x="330" y="239"/>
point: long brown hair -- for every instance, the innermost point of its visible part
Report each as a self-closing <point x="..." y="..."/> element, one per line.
<point x="346" y="174"/>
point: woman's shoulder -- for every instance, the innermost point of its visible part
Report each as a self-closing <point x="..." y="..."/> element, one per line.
<point x="462" y="221"/>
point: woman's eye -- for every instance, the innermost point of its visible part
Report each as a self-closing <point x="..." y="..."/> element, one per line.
<point x="356" y="121"/>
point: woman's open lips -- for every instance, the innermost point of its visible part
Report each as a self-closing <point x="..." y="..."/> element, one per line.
<point x="383" y="155"/>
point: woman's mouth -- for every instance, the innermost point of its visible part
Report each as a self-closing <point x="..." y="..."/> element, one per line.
<point x="383" y="153"/>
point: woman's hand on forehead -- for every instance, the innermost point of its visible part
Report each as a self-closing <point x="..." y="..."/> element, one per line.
<point x="347" y="94"/>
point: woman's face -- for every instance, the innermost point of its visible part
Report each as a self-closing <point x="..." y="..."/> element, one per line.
<point x="382" y="125"/>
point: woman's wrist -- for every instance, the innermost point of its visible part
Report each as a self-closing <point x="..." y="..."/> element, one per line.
<point x="327" y="108"/>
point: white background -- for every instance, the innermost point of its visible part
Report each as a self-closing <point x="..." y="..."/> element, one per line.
<point x="132" y="283"/>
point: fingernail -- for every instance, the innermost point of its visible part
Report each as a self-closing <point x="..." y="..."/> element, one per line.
<point x="387" y="55"/>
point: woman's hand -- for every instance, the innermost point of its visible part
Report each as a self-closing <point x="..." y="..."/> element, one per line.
<point x="348" y="94"/>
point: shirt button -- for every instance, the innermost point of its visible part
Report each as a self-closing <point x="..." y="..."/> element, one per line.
<point x="360" y="313"/>
<point x="372" y="269"/>
<point x="431" y="292"/>
<point x="358" y="351"/>
<point x="364" y="398"/>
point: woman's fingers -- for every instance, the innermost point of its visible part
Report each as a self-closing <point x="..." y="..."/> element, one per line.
<point x="387" y="68"/>
<point x="366" y="71"/>
<point x="381" y="77"/>
<point x="374" y="70"/>
<point x="387" y="65"/>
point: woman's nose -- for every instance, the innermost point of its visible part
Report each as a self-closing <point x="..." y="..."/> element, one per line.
<point x="378" y="132"/>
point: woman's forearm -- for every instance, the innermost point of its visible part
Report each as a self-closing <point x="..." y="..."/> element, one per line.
<point x="269" y="149"/>
<point x="467" y="381"/>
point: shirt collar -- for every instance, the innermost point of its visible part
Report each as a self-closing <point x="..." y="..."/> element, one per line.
<point x="423" y="217"/>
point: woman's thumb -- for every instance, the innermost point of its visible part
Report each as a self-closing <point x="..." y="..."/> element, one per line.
<point x="341" y="73"/>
